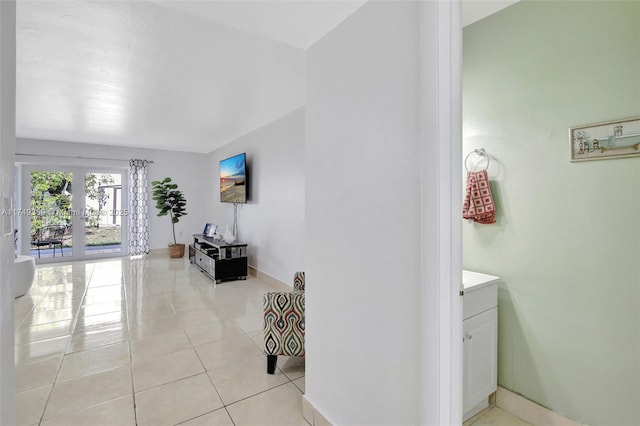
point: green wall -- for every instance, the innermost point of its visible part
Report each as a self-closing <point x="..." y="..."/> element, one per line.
<point x="567" y="238"/>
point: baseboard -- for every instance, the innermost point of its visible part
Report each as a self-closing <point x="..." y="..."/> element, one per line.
<point x="529" y="411"/>
<point x="312" y="415"/>
<point x="481" y="406"/>
<point x="159" y="251"/>
<point x="254" y="272"/>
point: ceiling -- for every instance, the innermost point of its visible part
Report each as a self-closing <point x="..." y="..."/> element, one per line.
<point x="168" y="74"/>
<point x="298" y="23"/>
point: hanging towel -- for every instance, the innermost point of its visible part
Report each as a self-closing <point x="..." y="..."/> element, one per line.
<point x="478" y="202"/>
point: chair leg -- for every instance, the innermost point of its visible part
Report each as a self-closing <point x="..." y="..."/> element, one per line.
<point x="272" y="360"/>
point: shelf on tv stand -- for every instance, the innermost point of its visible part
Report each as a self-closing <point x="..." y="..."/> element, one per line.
<point x="219" y="260"/>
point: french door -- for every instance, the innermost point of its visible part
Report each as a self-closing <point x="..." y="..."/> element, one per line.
<point x="72" y="213"/>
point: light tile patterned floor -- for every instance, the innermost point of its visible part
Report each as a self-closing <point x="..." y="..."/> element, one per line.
<point x="147" y="341"/>
<point x="495" y="416"/>
<point x="153" y="342"/>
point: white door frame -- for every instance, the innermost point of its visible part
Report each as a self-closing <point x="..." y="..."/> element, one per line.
<point x="441" y="157"/>
<point x="78" y="223"/>
<point x="7" y="153"/>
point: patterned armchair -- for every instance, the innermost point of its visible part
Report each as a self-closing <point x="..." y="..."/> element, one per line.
<point x="284" y="323"/>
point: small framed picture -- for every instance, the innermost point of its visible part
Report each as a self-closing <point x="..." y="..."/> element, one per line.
<point x="610" y="139"/>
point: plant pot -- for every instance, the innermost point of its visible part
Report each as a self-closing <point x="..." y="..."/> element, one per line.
<point x="176" y="251"/>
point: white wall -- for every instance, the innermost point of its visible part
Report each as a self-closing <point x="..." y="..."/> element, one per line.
<point x="272" y="222"/>
<point x="190" y="171"/>
<point x="567" y="240"/>
<point x="7" y="145"/>
<point x="363" y="222"/>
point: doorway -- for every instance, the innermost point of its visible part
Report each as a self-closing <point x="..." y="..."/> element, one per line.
<point x="72" y="213"/>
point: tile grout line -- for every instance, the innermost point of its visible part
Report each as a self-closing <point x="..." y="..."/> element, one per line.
<point x="133" y="389"/>
<point x="74" y="323"/>
<point x="261" y="392"/>
<point x="224" y="406"/>
<point x="75" y="319"/>
<point x="127" y="304"/>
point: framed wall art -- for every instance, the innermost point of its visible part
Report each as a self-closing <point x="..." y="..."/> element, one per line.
<point x="610" y="139"/>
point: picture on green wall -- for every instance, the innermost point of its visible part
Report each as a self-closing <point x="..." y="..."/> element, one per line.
<point x="610" y="139"/>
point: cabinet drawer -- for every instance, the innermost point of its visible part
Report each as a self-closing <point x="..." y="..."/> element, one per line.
<point x="479" y="300"/>
<point x="205" y="262"/>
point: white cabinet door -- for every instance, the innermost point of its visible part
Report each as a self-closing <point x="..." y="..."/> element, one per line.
<point x="480" y="349"/>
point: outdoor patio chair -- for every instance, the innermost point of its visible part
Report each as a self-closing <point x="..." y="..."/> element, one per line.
<point x="49" y="237"/>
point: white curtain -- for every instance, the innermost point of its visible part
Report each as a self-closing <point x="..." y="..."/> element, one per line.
<point x="138" y="207"/>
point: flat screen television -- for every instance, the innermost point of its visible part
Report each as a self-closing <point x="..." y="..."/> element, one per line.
<point x="233" y="179"/>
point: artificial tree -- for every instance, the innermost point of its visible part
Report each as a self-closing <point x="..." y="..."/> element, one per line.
<point x="170" y="201"/>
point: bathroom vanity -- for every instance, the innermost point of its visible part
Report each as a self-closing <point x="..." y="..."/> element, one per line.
<point x="479" y="341"/>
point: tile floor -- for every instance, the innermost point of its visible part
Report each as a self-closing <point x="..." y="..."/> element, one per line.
<point x="495" y="416"/>
<point x="152" y="341"/>
<point x="147" y="341"/>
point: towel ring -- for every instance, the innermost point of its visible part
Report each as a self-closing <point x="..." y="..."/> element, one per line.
<point x="480" y="152"/>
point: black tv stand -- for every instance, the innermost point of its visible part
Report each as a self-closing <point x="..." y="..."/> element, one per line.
<point x="219" y="260"/>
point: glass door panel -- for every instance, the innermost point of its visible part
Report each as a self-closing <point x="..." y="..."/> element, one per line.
<point x="62" y="218"/>
<point x="51" y="214"/>
<point x="103" y="213"/>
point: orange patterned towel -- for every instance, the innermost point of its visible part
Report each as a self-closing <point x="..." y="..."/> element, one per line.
<point x="478" y="202"/>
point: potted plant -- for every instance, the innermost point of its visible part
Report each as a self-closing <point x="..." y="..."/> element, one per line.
<point x="170" y="201"/>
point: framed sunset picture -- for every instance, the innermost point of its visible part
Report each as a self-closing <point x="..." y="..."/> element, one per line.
<point x="233" y="179"/>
